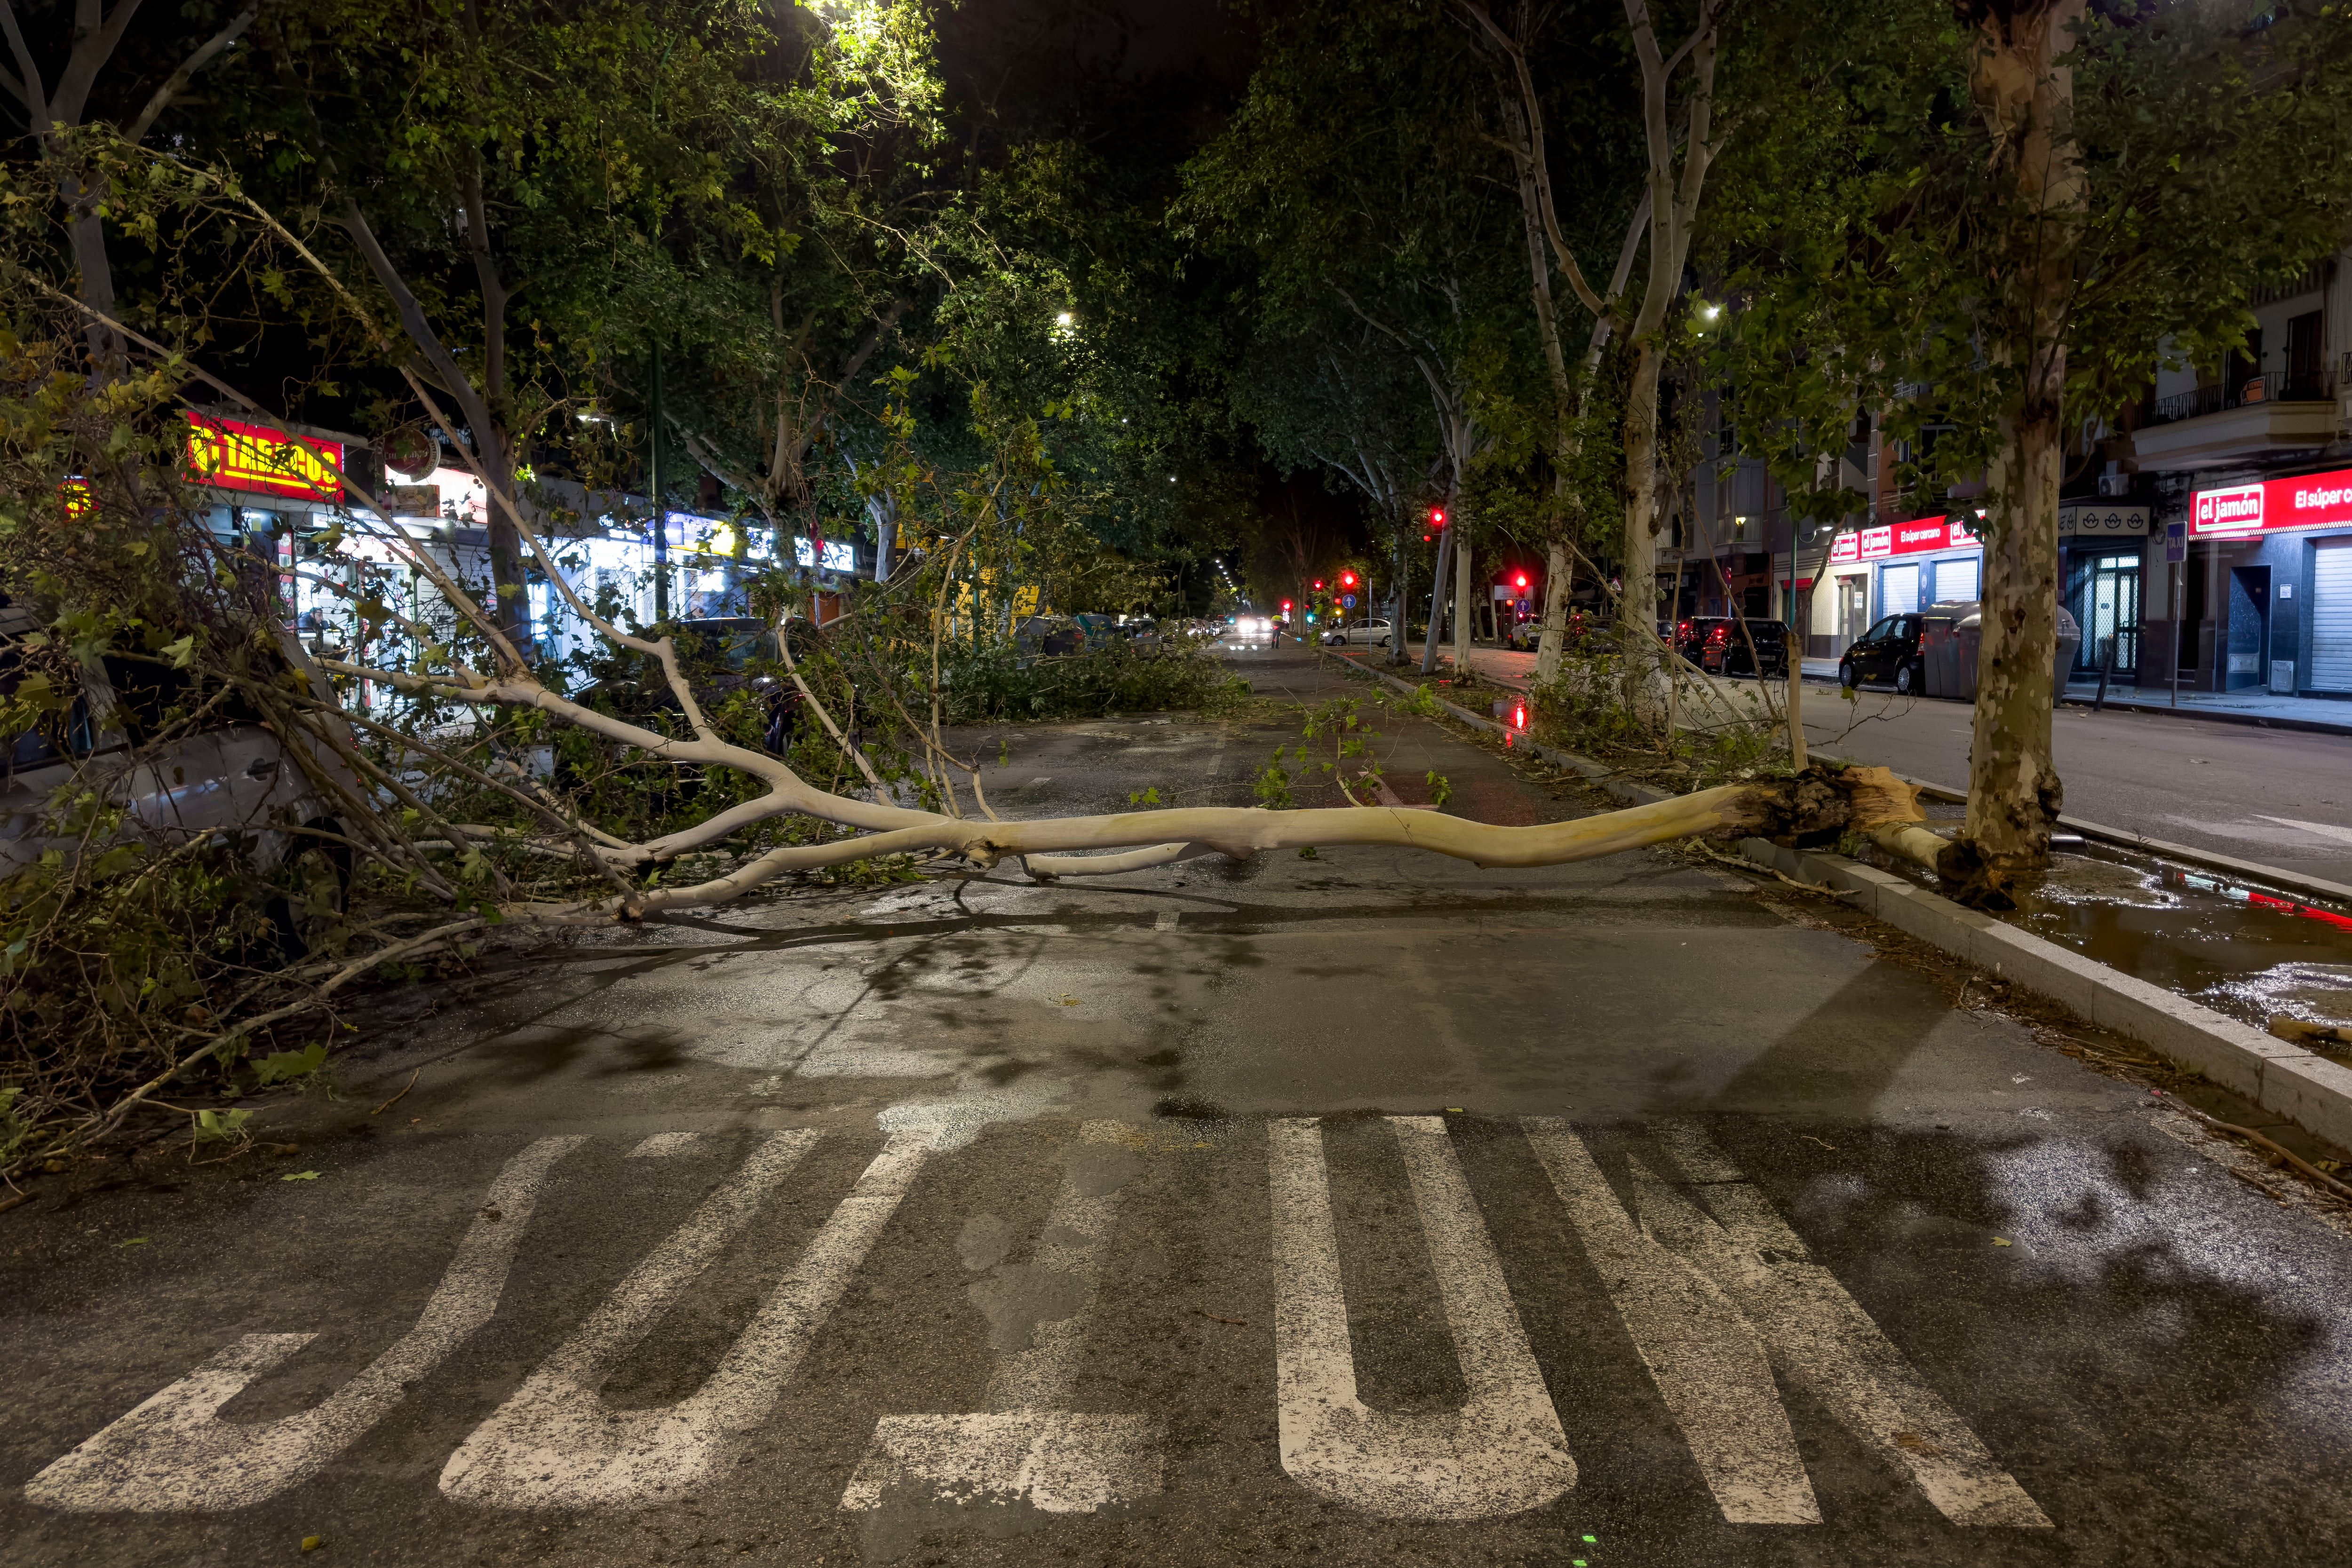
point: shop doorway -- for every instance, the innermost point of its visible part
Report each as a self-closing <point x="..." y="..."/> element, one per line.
<point x="2250" y="626"/>
<point x="1852" y="610"/>
<point x="2109" y="607"/>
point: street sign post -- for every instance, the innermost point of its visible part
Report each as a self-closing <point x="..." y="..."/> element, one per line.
<point x="2176" y="553"/>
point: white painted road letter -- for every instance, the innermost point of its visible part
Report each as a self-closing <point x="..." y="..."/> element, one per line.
<point x="1503" y="1452"/>
<point x="554" y="1444"/>
<point x="176" y="1453"/>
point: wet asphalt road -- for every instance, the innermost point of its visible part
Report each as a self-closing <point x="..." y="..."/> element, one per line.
<point x="1370" y="1209"/>
<point x="2276" y="797"/>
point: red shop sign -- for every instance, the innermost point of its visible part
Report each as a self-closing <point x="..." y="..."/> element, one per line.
<point x="2307" y="501"/>
<point x="1919" y="536"/>
<point x="231" y="455"/>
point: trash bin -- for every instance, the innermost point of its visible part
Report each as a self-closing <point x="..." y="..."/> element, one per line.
<point x="2070" y="640"/>
<point x="1949" y="636"/>
<point x="1948" y="648"/>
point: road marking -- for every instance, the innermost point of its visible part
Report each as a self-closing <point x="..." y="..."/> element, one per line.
<point x="556" y="1444"/>
<point x="1024" y="1448"/>
<point x="2323" y="829"/>
<point x="1166" y="921"/>
<point x="1708" y="1365"/>
<point x="174" y="1453"/>
<point x="661" y="1145"/>
<point x="1820" y="1335"/>
<point x="1503" y="1451"/>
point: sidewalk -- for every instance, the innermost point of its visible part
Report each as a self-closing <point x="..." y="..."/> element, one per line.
<point x="2268" y="709"/>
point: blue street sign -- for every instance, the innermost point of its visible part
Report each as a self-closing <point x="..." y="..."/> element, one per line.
<point x="1347" y="601"/>
<point x="2176" y="541"/>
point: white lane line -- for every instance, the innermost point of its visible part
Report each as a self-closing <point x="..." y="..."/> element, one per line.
<point x="1819" y="1335"/>
<point x="1707" y="1363"/>
<point x="1025" y="1449"/>
<point x="1503" y="1451"/>
<point x="661" y="1145"/>
<point x="556" y="1444"/>
<point x="1166" y="921"/>
<point x="174" y="1453"/>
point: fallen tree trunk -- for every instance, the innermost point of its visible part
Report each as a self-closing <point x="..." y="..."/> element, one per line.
<point x="1817" y="806"/>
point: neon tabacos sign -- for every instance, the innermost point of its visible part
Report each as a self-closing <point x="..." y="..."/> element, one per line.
<point x="2307" y="501"/>
<point x="1919" y="537"/>
<point x="230" y="454"/>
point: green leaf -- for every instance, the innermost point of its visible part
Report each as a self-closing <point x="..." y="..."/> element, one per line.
<point x="182" y="652"/>
<point x="219" y="1126"/>
<point x="283" y="1066"/>
<point x="300" y="1176"/>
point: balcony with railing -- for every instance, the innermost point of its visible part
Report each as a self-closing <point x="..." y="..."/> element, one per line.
<point x="2270" y="387"/>
<point x="2249" y="416"/>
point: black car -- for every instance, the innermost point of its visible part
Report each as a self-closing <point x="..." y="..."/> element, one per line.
<point x="1716" y="645"/>
<point x="1887" y="654"/>
<point x="718" y="655"/>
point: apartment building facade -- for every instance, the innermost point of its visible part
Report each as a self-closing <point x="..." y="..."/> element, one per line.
<point x="2205" y="540"/>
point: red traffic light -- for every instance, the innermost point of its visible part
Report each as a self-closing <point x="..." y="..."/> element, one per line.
<point x="1347" y="580"/>
<point x="1286" y="607"/>
<point x="1520" y="580"/>
<point x="1319" y="585"/>
<point x="1436" y="516"/>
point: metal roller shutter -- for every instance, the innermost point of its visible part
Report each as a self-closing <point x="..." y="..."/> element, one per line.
<point x="1956" y="580"/>
<point x="2331" y="618"/>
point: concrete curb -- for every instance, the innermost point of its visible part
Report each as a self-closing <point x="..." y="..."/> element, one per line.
<point x="2310" y="1091"/>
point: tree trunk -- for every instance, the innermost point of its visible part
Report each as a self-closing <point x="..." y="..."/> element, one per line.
<point x="1437" y="589"/>
<point x="1462" y="607"/>
<point x="1637" y="609"/>
<point x="2026" y="101"/>
<point x="1554" y="612"/>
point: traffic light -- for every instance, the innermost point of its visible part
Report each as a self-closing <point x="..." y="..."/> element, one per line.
<point x="1347" y="580"/>
<point x="1436" y="516"/>
<point x="1521" y="582"/>
<point x="1319" y="585"/>
<point x="1286" y="607"/>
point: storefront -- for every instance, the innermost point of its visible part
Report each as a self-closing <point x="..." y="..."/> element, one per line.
<point x="1898" y="568"/>
<point x="2103" y="563"/>
<point x="2276" y="558"/>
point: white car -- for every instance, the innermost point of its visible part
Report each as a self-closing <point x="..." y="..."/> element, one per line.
<point x="1374" y="634"/>
<point x="229" y="779"/>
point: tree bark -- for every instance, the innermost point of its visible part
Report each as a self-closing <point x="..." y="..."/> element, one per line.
<point x="1437" y="589"/>
<point x="1554" y="612"/>
<point x="1462" y="608"/>
<point x="1637" y="607"/>
<point x="2026" y="101"/>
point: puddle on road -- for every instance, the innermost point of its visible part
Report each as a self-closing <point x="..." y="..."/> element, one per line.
<point x="2237" y="948"/>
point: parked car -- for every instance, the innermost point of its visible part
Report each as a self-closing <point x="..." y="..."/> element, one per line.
<point x="1050" y="635"/>
<point x="1888" y="653"/>
<point x="228" y="778"/>
<point x="719" y="655"/>
<point x="1376" y="634"/>
<point x="1715" y="644"/>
